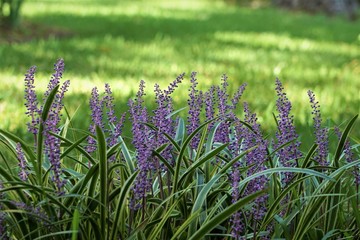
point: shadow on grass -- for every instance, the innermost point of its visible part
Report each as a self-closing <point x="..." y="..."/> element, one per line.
<point x="108" y="45"/>
<point x="109" y="34"/>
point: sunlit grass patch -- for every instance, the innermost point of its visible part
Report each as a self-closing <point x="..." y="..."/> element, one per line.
<point x="124" y="42"/>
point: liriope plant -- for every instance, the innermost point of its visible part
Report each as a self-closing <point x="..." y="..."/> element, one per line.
<point x="210" y="175"/>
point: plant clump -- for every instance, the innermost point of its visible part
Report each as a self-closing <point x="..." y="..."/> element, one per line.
<point x="213" y="174"/>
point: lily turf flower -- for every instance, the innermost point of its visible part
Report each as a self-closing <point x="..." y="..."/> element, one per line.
<point x="195" y="102"/>
<point x="255" y="162"/>
<point x="320" y="133"/>
<point x="96" y="106"/>
<point x="31" y="104"/>
<point x="143" y="146"/>
<point x="286" y="133"/>
<point x="115" y="125"/>
<point x="222" y="133"/>
<point x="52" y="143"/>
<point x="161" y="118"/>
<point x="210" y="101"/>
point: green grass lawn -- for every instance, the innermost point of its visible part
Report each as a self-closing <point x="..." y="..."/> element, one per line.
<point x="122" y="42"/>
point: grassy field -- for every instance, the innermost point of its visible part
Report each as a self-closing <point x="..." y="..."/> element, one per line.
<point x="122" y="42"/>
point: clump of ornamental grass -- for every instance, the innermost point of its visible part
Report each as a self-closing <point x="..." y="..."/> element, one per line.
<point x="214" y="174"/>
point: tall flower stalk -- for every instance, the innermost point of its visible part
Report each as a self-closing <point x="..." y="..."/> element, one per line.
<point x="320" y="133"/>
<point x="286" y="133"/>
<point x="255" y="162"/>
<point x="52" y="143"/>
<point x="32" y="109"/>
<point x="195" y="102"/>
<point x="138" y="116"/>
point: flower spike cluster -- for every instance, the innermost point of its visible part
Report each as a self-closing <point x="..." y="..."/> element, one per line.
<point x="159" y="155"/>
<point x="31" y="103"/>
<point x="51" y="143"/>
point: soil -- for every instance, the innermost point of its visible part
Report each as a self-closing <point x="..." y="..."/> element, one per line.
<point x="28" y="31"/>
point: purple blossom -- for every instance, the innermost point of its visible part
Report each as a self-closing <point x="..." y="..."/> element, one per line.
<point x="210" y="102"/>
<point x="255" y="161"/>
<point x="55" y="78"/>
<point x="320" y="133"/>
<point x="35" y="213"/>
<point x="96" y="107"/>
<point x="235" y="177"/>
<point x="235" y="100"/>
<point x="222" y="133"/>
<point x="161" y="119"/>
<point x="108" y="100"/>
<point x="256" y="158"/>
<point x="286" y="133"/>
<point x="52" y="143"/>
<point x="31" y="101"/>
<point x="223" y="97"/>
<point x="23" y="174"/>
<point x="195" y="102"/>
<point x="143" y="145"/>
<point x="174" y="84"/>
<point x="115" y="125"/>
<point x="116" y="133"/>
<point x="238" y="225"/>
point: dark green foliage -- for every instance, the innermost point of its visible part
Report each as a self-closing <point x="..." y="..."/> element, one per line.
<point x="10" y="13"/>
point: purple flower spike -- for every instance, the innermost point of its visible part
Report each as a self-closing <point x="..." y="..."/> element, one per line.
<point x="143" y="145"/>
<point x="109" y="99"/>
<point x="210" y="102"/>
<point x="222" y="133"/>
<point x="320" y="133"/>
<point x="161" y="119"/>
<point x="55" y="79"/>
<point x="96" y="117"/>
<point x="286" y="132"/>
<point x="235" y="100"/>
<point x="174" y="84"/>
<point x="115" y="125"/>
<point x="257" y="158"/>
<point x="52" y="143"/>
<point x="195" y="102"/>
<point x="31" y="101"/>
<point x="23" y="174"/>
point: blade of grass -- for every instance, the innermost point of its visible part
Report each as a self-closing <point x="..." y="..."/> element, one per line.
<point x="222" y="216"/>
<point x="103" y="170"/>
<point x="75" y="225"/>
<point x="118" y="221"/>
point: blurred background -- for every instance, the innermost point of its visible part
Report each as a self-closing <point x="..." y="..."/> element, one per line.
<point x="307" y="44"/>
